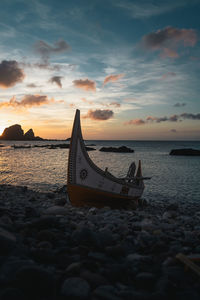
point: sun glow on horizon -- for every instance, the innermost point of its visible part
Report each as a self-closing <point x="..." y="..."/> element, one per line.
<point x="2" y="129"/>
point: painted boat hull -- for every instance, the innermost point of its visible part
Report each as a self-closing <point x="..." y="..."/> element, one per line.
<point x="88" y="185"/>
<point x="84" y="196"/>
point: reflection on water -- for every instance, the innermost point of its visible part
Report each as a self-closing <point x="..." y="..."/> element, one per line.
<point x="173" y="177"/>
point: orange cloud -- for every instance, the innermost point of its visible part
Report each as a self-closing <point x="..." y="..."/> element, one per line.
<point x="167" y="40"/>
<point x="10" y="73"/>
<point x="173" y="118"/>
<point x="29" y="101"/>
<point x="85" y="84"/>
<point x="112" y="78"/>
<point x="87" y="101"/>
<point x="115" y="104"/>
<point x="135" y="122"/>
<point x="99" y="114"/>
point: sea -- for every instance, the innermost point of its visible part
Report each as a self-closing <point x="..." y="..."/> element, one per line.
<point x="173" y="178"/>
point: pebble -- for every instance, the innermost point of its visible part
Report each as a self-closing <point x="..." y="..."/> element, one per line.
<point x="52" y="250"/>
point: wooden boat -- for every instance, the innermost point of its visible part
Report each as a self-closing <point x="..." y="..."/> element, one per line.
<point x="88" y="185"/>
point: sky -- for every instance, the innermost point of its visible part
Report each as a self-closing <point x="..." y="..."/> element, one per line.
<point x="132" y="67"/>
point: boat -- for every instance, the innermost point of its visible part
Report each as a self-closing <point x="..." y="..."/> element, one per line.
<point x="88" y="185"/>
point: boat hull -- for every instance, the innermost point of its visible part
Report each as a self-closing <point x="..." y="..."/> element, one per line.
<point x="87" y="196"/>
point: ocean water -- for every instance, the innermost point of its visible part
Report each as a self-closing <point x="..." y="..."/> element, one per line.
<point x="174" y="178"/>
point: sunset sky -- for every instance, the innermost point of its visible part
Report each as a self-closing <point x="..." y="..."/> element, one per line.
<point x="131" y="66"/>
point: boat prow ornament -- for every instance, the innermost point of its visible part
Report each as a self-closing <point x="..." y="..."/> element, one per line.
<point x="88" y="185"/>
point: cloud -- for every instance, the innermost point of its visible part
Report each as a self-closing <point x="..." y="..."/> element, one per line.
<point x="115" y="104"/>
<point x="190" y="116"/>
<point x="168" y="75"/>
<point x="179" y="104"/>
<point x="135" y="122"/>
<point x="173" y="118"/>
<point x="173" y="130"/>
<point x="145" y="9"/>
<point x="31" y="85"/>
<point x="87" y="101"/>
<point x="57" y="80"/>
<point x="168" y="40"/>
<point x="29" y="101"/>
<point x="99" y="114"/>
<point x="112" y="78"/>
<point x="85" y="84"/>
<point x="45" y="50"/>
<point x="10" y="73"/>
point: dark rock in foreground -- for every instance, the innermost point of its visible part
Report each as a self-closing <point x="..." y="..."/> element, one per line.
<point x="187" y="152"/>
<point x="50" y="250"/>
<point x="122" y="149"/>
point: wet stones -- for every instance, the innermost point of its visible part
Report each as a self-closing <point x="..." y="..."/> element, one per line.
<point x="94" y="254"/>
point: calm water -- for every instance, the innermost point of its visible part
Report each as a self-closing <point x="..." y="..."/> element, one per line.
<point x="173" y="177"/>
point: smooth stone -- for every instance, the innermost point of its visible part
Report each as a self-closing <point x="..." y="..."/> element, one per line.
<point x="7" y="242"/>
<point x="56" y="210"/>
<point x="107" y="292"/>
<point x="11" y="294"/>
<point x="36" y="282"/>
<point x="75" y="288"/>
<point x="46" y="235"/>
<point x="10" y="267"/>
<point x="145" y="281"/>
<point x="85" y="236"/>
<point x="115" y="251"/>
<point x="45" y="222"/>
<point x="92" y="278"/>
<point x="74" y="268"/>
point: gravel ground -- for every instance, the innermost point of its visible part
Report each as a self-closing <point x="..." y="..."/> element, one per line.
<point x="52" y="250"/>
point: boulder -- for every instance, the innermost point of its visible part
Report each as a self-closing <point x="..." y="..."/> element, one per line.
<point x="13" y="132"/>
<point x="122" y="149"/>
<point x="186" y="152"/>
<point x="29" y="135"/>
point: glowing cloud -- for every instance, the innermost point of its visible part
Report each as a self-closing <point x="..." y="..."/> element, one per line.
<point x="115" y="104"/>
<point x="135" y="122"/>
<point x="57" y="80"/>
<point x="112" y="78"/>
<point x="173" y="118"/>
<point x="85" y="84"/>
<point x="10" y="73"/>
<point x="99" y="114"/>
<point x="87" y="101"/>
<point x="167" y="40"/>
<point x="29" y="101"/>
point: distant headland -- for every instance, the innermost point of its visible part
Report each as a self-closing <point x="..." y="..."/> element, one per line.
<point x="16" y="133"/>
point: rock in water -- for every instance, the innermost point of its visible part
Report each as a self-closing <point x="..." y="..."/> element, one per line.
<point x="186" y="152"/>
<point x="29" y="135"/>
<point x="122" y="149"/>
<point x="13" y="132"/>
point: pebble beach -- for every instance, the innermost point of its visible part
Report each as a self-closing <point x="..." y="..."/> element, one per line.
<point x="52" y="250"/>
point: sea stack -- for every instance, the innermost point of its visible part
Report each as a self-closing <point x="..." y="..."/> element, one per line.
<point x="14" y="132"/>
<point x="29" y="135"/>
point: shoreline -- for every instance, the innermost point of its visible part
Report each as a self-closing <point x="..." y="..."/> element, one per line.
<point x="51" y="250"/>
